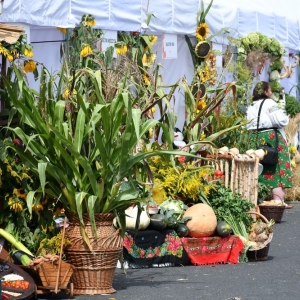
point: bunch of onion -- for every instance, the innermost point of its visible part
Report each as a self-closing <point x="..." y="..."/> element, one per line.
<point x="259" y="232"/>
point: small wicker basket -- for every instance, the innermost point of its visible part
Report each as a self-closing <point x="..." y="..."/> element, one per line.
<point x="260" y="253"/>
<point x="272" y="212"/>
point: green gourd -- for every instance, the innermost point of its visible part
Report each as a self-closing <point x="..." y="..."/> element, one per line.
<point x="223" y="229"/>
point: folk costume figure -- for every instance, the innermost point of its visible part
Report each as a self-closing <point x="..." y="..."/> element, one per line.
<point x="272" y="117"/>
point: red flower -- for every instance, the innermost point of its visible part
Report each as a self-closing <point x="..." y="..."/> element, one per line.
<point x="18" y="142"/>
<point x="174" y="245"/>
<point x="272" y="135"/>
<point x="142" y="253"/>
<point x="287" y="165"/>
<point x="281" y="173"/>
<point x="280" y="149"/>
<point x="128" y="242"/>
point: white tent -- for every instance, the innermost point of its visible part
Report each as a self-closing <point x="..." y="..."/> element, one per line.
<point x="279" y="19"/>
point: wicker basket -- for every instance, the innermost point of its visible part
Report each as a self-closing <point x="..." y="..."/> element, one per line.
<point x="94" y="269"/>
<point x="262" y="252"/>
<point x="48" y="273"/>
<point x="272" y="212"/>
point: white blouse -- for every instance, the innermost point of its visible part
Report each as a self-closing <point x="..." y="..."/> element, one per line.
<point x="271" y="115"/>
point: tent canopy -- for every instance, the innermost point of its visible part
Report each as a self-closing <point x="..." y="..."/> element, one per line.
<point x="279" y="19"/>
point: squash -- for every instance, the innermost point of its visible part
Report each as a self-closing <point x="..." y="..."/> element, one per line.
<point x="223" y="229"/>
<point x="172" y="223"/>
<point x="131" y="219"/>
<point x="182" y="230"/>
<point x="158" y="221"/>
<point x="203" y="222"/>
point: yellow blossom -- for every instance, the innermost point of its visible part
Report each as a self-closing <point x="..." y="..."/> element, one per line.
<point x="51" y="227"/>
<point x="293" y="150"/>
<point x="293" y="164"/>
<point x="91" y="23"/>
<point x="121" y="50"/>
<point x="28" y="52"/>
<point x="63" y="30"/>
<point x="152" y="39"/>
<point x="146" y="79"/>
<point x="85" y="51"/>
<point x="29" y="66"/>
<point x="202" y="136"/>
<point x="201" y="104"/>
<point x="148" y="59"/>
<point x="202" y="31"/>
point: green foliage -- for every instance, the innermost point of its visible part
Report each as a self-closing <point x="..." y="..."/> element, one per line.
<point x="275" y="86"/>
<point x="292" y="105"/>
<point x="225" y="204"/>
<point x="263" y="192"/>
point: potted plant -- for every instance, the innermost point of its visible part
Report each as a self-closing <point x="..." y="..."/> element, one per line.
<point x="81" y="132"/>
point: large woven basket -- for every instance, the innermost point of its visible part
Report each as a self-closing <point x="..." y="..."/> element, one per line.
<point x="272" y="212"/>
<point x="94" y="269"/>
<point x="262" y="252"/>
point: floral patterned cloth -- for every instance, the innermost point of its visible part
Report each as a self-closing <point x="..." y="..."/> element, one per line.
<point x="154" y="247"/>
<point x="279" y="175"/>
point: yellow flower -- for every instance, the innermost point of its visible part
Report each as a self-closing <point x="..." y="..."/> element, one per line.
<point x="10" y="57"/>
<point x="152" y="39"/>
<point x="38" y="207"/>
<point x="293" y="150"/>
<point x="148" y="59"/>
<point x="20" y="193"/>
<point x="201" y="104"/>
<point x="29" y="66"/>
<point x="90" y="23"/>
<point x="121" y="50"/>
<point x="51" y="227"/>
<point x="28" y="52"/>
<point x="158" y="193"/>
<point x="146" y="79"/>
<point x="85" y="51"/>
<point x="150" y="131"/>
<point x="66" y="93"/>
<point x="44" y="230"/>
<point x="293" y="164"/>
<point x="63" y="30"/>
<point x="202" y="136"/>
<point x="202" y="31"/>
<point x="204" y="74"/>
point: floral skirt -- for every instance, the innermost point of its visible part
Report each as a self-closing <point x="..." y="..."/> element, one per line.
<point x="280" y="174"/>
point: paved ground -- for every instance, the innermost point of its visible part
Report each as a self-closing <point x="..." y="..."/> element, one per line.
<point x="274" y="279"/>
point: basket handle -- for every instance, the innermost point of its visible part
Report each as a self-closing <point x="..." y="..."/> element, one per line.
<point x="256" y="213"/>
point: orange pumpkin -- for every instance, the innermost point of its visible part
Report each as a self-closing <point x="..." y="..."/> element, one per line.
<point x="203" y="222"/>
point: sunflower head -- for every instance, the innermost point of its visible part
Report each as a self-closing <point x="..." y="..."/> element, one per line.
<point x="202" y="49"/>
<point x="202" y="31"/>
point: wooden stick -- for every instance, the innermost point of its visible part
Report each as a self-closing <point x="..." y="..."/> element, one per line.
<point x="60" y="255"/>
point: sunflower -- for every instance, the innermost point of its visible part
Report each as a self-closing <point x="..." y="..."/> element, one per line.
<point x="146" y="79"/>
<point x="204" y="74"/>
<point x="148" y="59"/>
<point x="120" y="50"/>
<point x="152" y="39"/>
<point x="201" y="104"/>
<point x="29" y="66"/>
<point x="90" y="23"/>
<point x="63" y="30"/>
<point x="202" y="31"/>
<point x="85" y="51"/>
<point x="202" y="49"/>
<point x="28" y="52"/>
<point x="20" y="193"/>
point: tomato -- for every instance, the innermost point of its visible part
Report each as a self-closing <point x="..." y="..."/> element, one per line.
<point x="218" y="173"/>
<point x="135" y="33"/>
